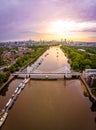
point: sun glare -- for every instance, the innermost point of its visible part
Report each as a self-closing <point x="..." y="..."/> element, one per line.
<point x="68" y="29"/>
<point x="61" y="27"/>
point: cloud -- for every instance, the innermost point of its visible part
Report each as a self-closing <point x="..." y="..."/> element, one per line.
<point x="80" y="10"/>
<point x="34" y="15"/>
<point x="89" y="30"/>
<point x="93" y="37"/>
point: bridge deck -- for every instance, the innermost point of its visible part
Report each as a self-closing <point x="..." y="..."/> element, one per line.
<point x="47" y="75"/>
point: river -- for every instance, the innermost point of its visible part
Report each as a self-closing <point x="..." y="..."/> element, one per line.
<point x="50" y="104"/>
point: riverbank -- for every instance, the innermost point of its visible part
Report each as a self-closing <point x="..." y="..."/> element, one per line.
<point x="11" y="77"/>
<point x="91" y="96"/>
<point x="33" y="60"/>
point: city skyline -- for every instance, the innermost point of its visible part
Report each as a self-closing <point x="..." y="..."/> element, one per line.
<point x="48" y="19"/>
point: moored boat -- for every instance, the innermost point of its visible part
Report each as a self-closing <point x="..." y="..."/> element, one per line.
<point x="15" y="97"/>
<point x="19" y="91"/>
<point x="16" y="90"/>
<point x="2" y="112"/>
<point x="26" y="81"/>
<point x="3" y="118"/>
<point x="20" y="85"/>
<point x="23" y="85"/>
<point x="8" y="102"/>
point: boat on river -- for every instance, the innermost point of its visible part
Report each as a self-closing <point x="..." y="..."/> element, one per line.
<point x="9" y="102"/>
<point x="15" y="97"/>
<point x="3" y="118"/>
<point x="2" y="112"/>
<point x="23" y="85"/>
<point x="26" y="80"/>
<point x="20" y="85"/>
<point x="16" y="90"/>
<point x="19" y="91"/>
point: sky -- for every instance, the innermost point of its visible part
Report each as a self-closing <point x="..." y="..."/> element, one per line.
<point x="48" y="20"/>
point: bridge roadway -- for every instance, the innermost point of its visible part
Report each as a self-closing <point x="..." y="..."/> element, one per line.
<point x="47" y="75"/>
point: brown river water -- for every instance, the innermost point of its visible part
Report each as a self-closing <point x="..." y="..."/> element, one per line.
<point x="49" y="104"/>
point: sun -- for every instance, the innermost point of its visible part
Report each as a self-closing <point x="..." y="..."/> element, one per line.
<point x="61" y="27"/>
<point x="56" y="27"/>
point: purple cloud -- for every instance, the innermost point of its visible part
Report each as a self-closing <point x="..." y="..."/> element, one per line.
<point x="18" y="16"/>
<point x="80" y="10"/>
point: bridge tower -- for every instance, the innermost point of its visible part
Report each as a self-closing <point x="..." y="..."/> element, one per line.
<point x="28" y="69"/>
<point x="28" y="72"/>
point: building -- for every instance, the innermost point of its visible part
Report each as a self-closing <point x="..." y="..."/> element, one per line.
<point x="90" y="77"/>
